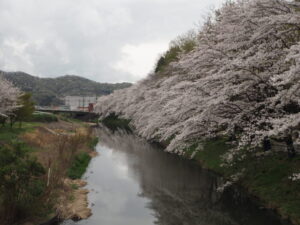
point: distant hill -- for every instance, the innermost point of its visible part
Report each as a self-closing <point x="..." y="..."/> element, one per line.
<point x="49" y="91"/>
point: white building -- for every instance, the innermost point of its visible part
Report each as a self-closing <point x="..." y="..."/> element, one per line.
<point x="80" y="102"/>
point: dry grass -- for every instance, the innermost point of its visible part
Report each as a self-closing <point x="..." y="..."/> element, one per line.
<point x="75" y="207"/>
<point x="57" y="147"/>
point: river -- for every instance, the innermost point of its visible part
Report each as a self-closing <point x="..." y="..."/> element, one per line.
<point x="132" y="182"/>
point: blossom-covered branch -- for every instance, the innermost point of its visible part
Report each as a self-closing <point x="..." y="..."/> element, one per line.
<point x="8" y="97"/>
<point x="243" y="74"/>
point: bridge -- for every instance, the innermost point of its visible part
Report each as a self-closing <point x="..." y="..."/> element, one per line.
<point x="77" y="114"/>
<point x="63" y="111"/>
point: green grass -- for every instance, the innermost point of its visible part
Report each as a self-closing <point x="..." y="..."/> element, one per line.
<point x="79" y="165"/>
<point x="213" y="150"/>
<point x="43" y="117"/>
<point x="9" y="134"/>
<point x="265" y="177"/>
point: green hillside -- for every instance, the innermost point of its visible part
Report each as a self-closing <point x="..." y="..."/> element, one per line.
<point x="49" y="91"/>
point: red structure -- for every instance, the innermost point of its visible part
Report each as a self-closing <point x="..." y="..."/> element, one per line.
<point x="91" y="107"/>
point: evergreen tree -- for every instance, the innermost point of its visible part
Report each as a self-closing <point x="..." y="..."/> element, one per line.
<point x="24" y="112"/>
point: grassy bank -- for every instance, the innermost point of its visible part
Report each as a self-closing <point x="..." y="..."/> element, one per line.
<point x="266" y="176"/>
<point x="60" y="148"/>
<point x="79" y="165"/>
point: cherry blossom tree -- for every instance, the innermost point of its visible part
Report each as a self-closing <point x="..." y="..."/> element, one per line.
<point x="242" y="77"/>
<point x="8" y="97"/>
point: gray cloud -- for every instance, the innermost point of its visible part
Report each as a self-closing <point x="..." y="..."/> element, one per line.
<point x="104" y="40"/>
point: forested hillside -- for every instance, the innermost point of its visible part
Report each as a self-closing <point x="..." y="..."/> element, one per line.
<point x="238" y="76"/>
<point x="49" y="91"/>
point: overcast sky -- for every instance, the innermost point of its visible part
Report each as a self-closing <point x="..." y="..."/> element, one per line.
<point x="103" y="40"/>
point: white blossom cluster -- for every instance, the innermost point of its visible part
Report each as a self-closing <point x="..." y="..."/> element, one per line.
<point x="8" y="97"/>
<point x="232" y="180"/>
<point x="295" y="177"/>
<point x="243" y="78"/>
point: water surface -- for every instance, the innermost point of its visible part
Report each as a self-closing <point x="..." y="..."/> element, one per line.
<point x="135" y="183"/>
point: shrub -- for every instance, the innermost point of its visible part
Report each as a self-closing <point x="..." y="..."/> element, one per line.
<point x="43" y="117"/>
<point x="21" y="183"/>
<point x="113" y="122"/>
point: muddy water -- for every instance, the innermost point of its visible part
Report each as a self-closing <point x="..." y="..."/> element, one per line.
<point x="135" y="183"/>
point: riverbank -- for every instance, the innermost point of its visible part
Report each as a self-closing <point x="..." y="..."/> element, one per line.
<point x="64" y="149"/>
<point x="265" y="175"/>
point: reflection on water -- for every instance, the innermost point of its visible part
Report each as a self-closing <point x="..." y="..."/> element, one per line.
<point x="135" y="183"/>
